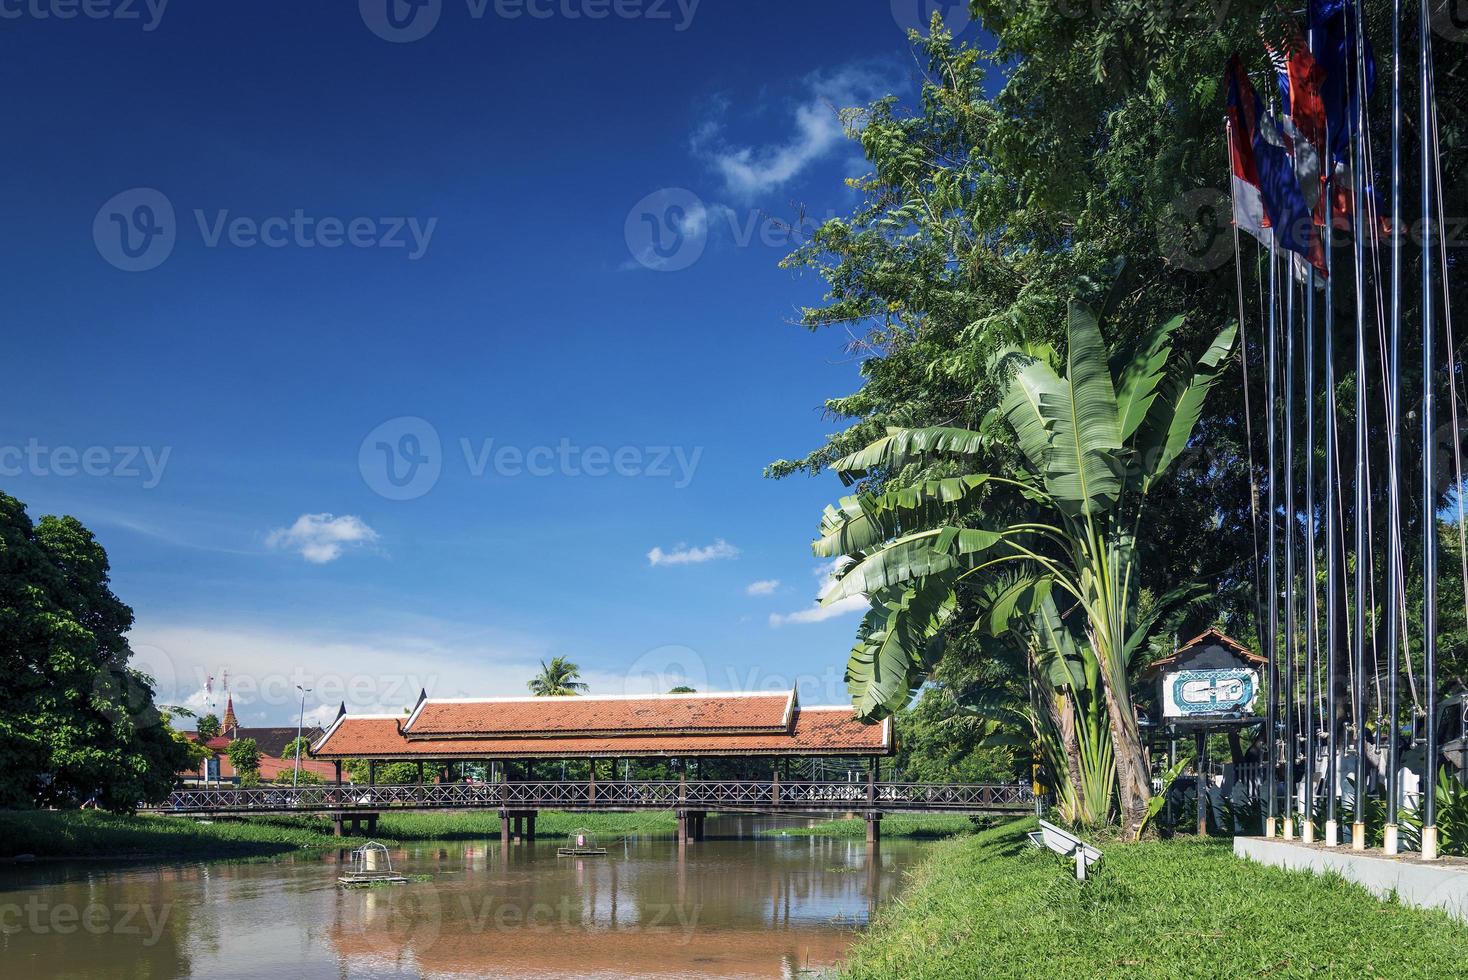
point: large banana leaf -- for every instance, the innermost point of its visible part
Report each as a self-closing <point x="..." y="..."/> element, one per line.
<point x="894" y="650"/>
<point x="900" y="446"/>
<point x="1068" y="427"/>
<point x="862" y="521"/>
<point x="911" y="557"/>
<point x="1139" y="375"/>
<point x="1175" y="413"/>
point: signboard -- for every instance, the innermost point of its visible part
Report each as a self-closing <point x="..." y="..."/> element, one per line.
<point x="1216" y="691"/>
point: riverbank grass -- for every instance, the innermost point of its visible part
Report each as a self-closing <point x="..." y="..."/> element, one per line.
<point x="932" y="826"/>
<point x="990" y="904"/>
<point x="92" y="834"/>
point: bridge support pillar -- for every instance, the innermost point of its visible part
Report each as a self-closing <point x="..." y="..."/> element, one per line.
<point x="336" y="824"/>
<point x="530" y="826"/>
<point x="874" y="827"/>
<point x="690" y="825"/>
<point x="504" y="829"/>
<point x="371" y="825"/>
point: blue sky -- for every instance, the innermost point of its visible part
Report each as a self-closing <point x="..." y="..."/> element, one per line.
<point x="380" y="361"/>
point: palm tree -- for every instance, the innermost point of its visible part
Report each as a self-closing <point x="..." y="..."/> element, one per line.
<point x="1031" y="548"/>
<point x="557" y="678"/>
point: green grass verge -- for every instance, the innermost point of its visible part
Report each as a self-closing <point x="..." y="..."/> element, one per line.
<point x="991" y="905"/>
<point x="90" y="834"/>
<point x="927" y="827"/>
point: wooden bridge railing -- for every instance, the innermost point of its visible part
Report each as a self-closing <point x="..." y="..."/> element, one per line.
<point x="713" y="794"/>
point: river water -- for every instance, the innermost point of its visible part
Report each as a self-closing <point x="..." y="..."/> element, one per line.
<point x="734" y="905"/>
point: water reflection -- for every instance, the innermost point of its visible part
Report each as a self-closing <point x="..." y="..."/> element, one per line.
<point x="723" y="907"/>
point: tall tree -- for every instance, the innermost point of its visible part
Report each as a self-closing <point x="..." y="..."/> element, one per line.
<point x="76" y="721"/>
<point x="557" y="678"/>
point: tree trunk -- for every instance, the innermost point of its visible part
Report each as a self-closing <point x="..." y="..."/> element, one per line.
<point x="1066" y="724"/>
<point x="1133" y="783"/>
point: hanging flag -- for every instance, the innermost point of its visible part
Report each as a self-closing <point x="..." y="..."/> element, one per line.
<point x="1333" y="44"/>
<point x="1266" y="190"/>
<point x="1302" y="111"/>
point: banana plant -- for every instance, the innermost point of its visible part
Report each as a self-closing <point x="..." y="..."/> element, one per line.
<point x="1094" y="443"/>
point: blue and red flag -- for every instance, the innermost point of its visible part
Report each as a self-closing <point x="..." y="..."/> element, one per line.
<point x="1268" y="202"/>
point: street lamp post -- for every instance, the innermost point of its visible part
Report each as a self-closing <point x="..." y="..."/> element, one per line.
<point x="300" y="723"/>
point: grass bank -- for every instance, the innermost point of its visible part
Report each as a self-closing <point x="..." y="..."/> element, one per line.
<point x="926" y="827"/>
<point x="90" y="834"/>
<point x="989" y="904"/>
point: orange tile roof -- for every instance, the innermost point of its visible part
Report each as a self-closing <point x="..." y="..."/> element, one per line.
<point x="816" y="731"/>
<point x="584" y="715"/>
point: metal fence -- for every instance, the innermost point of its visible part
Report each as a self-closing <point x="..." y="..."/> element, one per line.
<point x="717" y="794"/>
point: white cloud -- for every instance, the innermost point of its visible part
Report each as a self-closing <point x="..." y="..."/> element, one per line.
<point x="684" y="555"/>
<point x="817" y="613"/>
<point x="749" y="171"/>
<point x="320" y="538"/>
<point x="765" y="586"/>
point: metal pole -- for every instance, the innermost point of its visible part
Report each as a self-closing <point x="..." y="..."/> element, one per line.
<point x="1271" y="717"/>
<point x="1358" y="827"/>
<point x="1332" y="528"/>
<point x="1307" y="828"/>
<point x="300" y="723"/>
<point x="1429" y="477"/>
<point x="1290" y="525"/>
<point x="1393" y="528"/>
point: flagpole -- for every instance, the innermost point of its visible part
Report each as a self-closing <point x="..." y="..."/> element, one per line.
<point x="1287" y="689"/>
<point x="1332" y="530"/>
<point x="1393" y="527"/>
<point x="1271" y="717"/>
<point x="1429" y="480"/>
<point x="1307" y="827"/>
<point x="1358" y="826"/>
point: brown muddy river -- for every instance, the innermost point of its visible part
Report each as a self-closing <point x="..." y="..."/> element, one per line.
<point x="746" y="907"/>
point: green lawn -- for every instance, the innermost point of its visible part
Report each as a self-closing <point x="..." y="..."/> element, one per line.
<point x="926" y="827"/>
<point x="990" y="905"/>
<point x="88" y="833"/>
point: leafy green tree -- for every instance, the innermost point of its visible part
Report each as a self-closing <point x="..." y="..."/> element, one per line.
<point x="557" y="678"/>
<point x="208" y="727"/>
<point x="1067" y="525"/>
<point x="244" y="755"/>
<point x="76" y="722"/>
<point x="683" y="689"/>
<point x="288" y="753"/>
<point x="938" y="741"/>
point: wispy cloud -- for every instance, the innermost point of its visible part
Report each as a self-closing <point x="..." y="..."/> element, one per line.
<point x="817" y="132"/>
<point x="765" y="586"/>
<point x="321" y="538"/>
<point x="682" y="554"/>
<point x="817" y="613"/>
